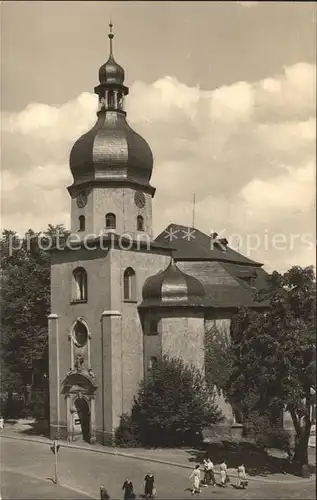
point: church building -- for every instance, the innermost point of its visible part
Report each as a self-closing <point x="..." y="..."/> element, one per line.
<point x="120" y="297"/>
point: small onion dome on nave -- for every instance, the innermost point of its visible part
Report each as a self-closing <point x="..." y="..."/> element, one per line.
<point x="172" y="287"/>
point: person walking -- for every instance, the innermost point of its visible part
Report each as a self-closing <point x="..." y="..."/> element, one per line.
<point x="205" y="480"/>
<point x="149" y="490"/>
<point x="196" y="477"/>
<point x="224" y="478"/>
<point x="210" y="473"/>
<point x="128" y="490"/>
<point x="242" y="478"/>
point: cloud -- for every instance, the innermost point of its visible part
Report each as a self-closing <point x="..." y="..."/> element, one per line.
<point x="49" y="123"/>
<point x="247" y="150"/>
<point x="293" y="187"/>
<point x="292" y="94"/>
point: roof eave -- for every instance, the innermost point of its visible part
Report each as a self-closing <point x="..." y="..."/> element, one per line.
<point x="115" y="239"/>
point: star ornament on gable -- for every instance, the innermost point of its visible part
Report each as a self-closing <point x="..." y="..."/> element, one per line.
<point x="171" y="234"/>
<point x="189" y="234"/>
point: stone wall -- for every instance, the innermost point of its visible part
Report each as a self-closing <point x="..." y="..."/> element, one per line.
<point x="183" y="336"/>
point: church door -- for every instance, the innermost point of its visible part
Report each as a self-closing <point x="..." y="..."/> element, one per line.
<point x="83" y="412"/>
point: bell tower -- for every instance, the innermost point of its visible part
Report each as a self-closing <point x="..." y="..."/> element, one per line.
<point x="95" y="329"/>
<point x="111" y="166"/>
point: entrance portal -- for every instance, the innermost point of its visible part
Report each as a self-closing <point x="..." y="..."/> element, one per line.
<point x="83" y="412"/>
<point x="79" y="389"/>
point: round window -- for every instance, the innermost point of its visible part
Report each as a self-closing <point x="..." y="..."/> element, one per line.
<point x="80" y="334"/>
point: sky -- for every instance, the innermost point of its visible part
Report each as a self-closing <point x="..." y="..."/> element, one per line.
<point x="224" y="93"/>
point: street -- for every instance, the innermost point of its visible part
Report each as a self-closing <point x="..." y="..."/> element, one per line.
<point x="27" y="467"/>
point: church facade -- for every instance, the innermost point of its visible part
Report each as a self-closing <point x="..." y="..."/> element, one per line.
<point x="121" y="298"/>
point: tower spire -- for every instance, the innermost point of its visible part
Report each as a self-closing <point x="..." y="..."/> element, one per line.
<point x="110" y="36"/>
<point x="194" y="203"/>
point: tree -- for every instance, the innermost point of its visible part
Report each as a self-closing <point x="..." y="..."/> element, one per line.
<point x="173" y="405"/>
<point x="25" y="305"/>
<point x="275" y="354"/>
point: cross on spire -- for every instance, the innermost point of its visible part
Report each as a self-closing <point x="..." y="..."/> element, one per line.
<point x="110" y="36"/>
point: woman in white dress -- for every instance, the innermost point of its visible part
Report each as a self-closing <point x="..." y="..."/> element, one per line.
<point x="195" y="476"/>
<point x="224" y="479"/>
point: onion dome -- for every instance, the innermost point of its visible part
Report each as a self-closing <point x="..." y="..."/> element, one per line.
<point x="172" y="287"/>
<point x="112" y="151"/>
<point x="111" y="71"/>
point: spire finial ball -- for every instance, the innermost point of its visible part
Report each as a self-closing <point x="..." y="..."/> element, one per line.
<point x="111" y="35"/>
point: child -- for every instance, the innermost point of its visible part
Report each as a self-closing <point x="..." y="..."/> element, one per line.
<point x="223" y="474"/>
<point x="104" y="493"/>
<point x="149" y="486"/>
<point x="242" y="478"/>
<point x="195" y="476"/>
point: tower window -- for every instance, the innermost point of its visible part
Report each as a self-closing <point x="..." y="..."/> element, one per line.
<point x="82" y="222"/>
<point x="153" y="328"/>
<point x="140" y="223"/>
<point x="110" y="99"/>
<point x="110" y="221"/>
<point x="80" y="288"/>
<point x="129" y="284"/>
<point x="120" y="100"/>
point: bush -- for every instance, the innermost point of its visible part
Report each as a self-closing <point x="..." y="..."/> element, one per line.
<point x="265" y="435"/>
<point x="173" y="405"/>
<point x="40" y="404"/>
<point x="13" y="407"/>
<point x="126" y="435"/>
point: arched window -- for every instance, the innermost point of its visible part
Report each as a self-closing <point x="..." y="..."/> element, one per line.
<point x="82" y="223"/>
<point x="140" y="223"/>
<point x="129" y="284"/>
<point x="110" y="221"/>
<point x="80" y="288"/>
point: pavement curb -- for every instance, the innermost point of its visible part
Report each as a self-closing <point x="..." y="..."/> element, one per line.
<point x="105" y="451"/>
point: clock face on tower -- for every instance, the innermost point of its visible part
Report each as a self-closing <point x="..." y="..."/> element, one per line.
<point x="139" y="199"/>
<point x="81" y="199"/>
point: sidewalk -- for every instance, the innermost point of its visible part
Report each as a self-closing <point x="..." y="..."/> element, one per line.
<point x="173" y="457"/>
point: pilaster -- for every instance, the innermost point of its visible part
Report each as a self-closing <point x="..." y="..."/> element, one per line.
<point x="54" y="372"/>
<point x="111" y="354"/>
